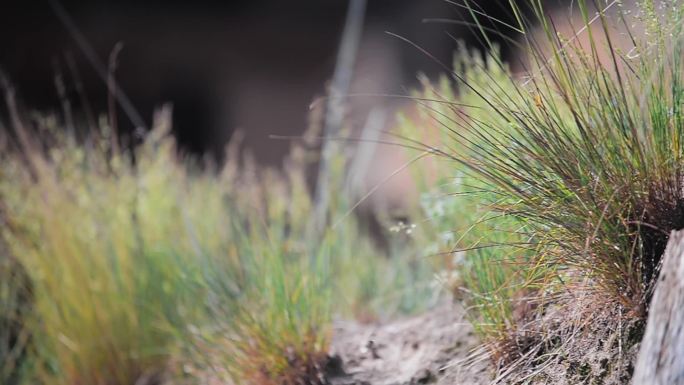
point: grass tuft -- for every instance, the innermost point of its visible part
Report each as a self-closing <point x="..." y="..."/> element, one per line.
<point x="142" y="267"/>
<point x="576" y="163"/>
<point x="111" y="295"/>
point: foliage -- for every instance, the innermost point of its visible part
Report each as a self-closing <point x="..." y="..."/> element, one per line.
<point x="114" y="281"/>
<point x="582" y="155"/>
<point x="148" y="268"/>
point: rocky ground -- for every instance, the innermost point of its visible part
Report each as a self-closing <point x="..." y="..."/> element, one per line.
<point x="438" y="347"/>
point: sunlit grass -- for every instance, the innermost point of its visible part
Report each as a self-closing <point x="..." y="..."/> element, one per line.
<point x="581" y="156"/>
<point x="148" y="268"/>
<point x="113" y="279"/>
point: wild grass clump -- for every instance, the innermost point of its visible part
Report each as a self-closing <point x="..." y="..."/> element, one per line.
<point x="277" y="332"/>
<point x="581" y="153"/>
<point x="114" y="284"/>
<point x="271" y="309"/>
<point x="144" y="271"/>
<point x="147" y="268"/>
<point x="587" y="152"/>
<point x="271" y="305"/>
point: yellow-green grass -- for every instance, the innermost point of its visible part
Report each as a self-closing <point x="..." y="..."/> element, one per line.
<point x="113" y="275"/>
<point x="146" y="268"/>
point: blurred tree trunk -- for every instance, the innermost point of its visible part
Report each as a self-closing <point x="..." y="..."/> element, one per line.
<point x="661" y="357"/>
<point x="339" y="88"/>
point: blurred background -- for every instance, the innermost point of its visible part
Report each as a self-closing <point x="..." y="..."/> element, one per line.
<point x="254" y="65"/>
<point x="226" y="65"/>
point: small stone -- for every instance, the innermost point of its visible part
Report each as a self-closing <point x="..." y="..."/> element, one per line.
<point x="424" y="376"/>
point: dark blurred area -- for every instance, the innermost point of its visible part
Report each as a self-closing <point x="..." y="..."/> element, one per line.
<point x="253" y="65"/>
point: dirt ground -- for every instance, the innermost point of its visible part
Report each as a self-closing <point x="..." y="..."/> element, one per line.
<point x="438" y="347"/>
